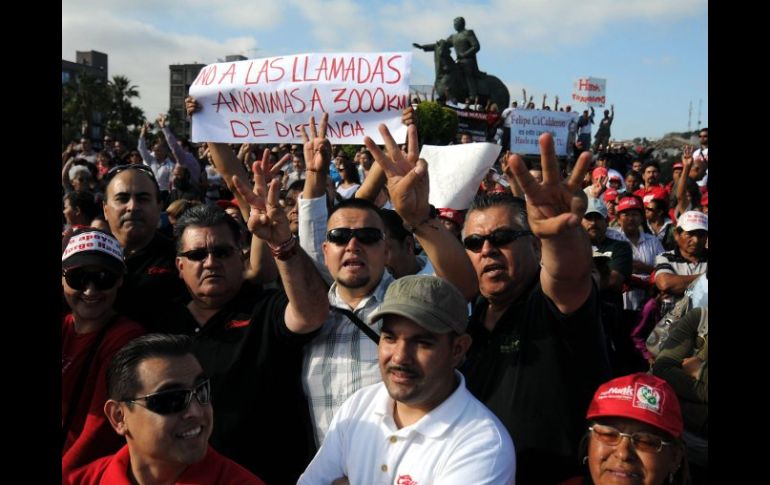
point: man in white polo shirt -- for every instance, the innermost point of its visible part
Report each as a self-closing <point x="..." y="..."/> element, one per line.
<point x="420" y="425"/>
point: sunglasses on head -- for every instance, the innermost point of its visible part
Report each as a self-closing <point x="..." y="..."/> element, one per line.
<point x="364" y="235"/>
<point x="497" y="238"/>
<point x="133" y="166"/>
<point x="175" y="400"/>
<point x="219" y="252"/>
<point x="79" y="279"/>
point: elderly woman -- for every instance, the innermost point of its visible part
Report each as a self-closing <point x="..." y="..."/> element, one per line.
<point x="92" y="272"/>
<point x="634" y="433"/>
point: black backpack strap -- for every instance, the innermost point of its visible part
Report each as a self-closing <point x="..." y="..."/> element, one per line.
<point x="357" y="321"/>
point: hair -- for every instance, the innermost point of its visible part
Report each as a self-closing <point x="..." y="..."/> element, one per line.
<point x="681" y="475"/>
<point x="356" y="203"/>
<point x="205" y="216"/>
<point x="122" y="379"/>
<point x="76" y="170"/>
<point x="394" y="225"/>
<point x="298" y="185"/>
<point x="85" y="202"/>
<point x="650" y="163"/>
<point x="517" y="205"/>
<point x="180" y="206"/>
<point x="351" y="171"/>
<point x="702" y="130"/>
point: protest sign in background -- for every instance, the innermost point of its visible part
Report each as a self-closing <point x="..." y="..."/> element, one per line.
<point x="268" y="100"/>
<point x="528" y="124"/>
<point x="591" y="91"/>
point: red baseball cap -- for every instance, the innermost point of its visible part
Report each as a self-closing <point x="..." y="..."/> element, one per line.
<point x="642" y="397"/>
<point x="677" y="165"/>
<point x="610" y="194"/>
<point x="599" y="172"/>
<point x="224" y="204"/>
<point x="451" y="214"/>
<point x="656" y="193"/>
<point x="627" y="203"/>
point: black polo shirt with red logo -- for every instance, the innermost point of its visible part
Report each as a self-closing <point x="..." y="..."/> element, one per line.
<point x="151" y="282"/>
<point x="261" y="417"/>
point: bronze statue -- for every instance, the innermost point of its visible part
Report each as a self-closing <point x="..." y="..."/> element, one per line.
<point x="462" y="79"/>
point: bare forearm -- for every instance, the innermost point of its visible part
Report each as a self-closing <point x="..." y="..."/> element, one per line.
<point x="227" y="165"/>
<point x="373" y="183"/>
<point x="448" y="257"/>
<point x="674" y="284"/>
<point x="262" y="268"/>
<point x="566" y="269"/>
<point x="308" y="301"/>
<point x="315" y="185"/>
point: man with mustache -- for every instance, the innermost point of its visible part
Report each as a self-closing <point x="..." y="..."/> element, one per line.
<point x="420" y="425"/>
<point x="538" y="347"/>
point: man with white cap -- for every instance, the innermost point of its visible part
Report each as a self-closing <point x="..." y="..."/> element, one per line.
<point x="675" y="270"/>
<point x="92" y="272"/>
<point x="420" y="425"/>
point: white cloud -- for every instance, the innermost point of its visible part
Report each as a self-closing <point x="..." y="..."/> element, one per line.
<point x="142" y="52"/>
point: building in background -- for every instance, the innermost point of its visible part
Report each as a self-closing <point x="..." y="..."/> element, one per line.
<point x="93" y="64"/>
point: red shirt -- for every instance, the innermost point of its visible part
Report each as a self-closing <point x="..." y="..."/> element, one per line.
<point x="90" y="435"/>
<point x="213" y="469"/>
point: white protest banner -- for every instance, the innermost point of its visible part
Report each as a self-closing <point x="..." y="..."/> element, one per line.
<point x="455" y="172"/>
<point x="528" y="124"/>
<point x="590" y="90"/>
<point x="268" y="100"/>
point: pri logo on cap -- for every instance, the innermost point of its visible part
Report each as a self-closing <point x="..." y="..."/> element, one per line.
<point x="647" y="398"/>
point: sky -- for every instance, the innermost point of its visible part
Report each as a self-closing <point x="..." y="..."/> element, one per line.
<point x="653" y="53"/>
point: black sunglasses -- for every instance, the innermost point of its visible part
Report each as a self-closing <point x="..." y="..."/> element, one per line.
<point x="79" y="278"/>
<point x="175" y="400"/>
<point x="497" y="238"/>
<point x="132" y="166"/>
<point x="365" y="235"/>
<point x="219" y="252"/>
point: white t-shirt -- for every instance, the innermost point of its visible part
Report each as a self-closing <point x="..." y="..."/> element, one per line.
<point x="459" y="442"/>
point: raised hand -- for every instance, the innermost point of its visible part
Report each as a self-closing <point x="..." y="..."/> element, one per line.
<point x="191" y="106"/>
<point x="407" y="176"/>
<point x="267" y="220"/>
<point x="161" y="121"/>
<point x="553" y="206"/>
<point x="317" y="148"/>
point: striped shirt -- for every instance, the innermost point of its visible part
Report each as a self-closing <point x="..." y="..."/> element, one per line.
<point x="341" y="359"/>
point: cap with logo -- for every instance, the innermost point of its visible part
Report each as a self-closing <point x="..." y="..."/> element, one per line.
<point x="91" y="247"/>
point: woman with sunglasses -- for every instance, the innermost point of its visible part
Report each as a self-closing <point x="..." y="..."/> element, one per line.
<point x="92" y="272"/>
<point x="634" y="434"/>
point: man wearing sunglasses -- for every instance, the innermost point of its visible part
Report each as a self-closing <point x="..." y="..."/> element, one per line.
<point x="92" y="272"/>
<point x="351" y="242"/>
<point x="160" y="401"/>
<point x="132" y="208"/>
<point x="537" y="353"/>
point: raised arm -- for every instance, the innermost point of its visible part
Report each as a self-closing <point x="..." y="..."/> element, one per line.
<point x="554" y="210"/>
<point x="408" y="187"/>
<point x="556" y="103"/>
<point x="681" y="185"/>
<point x="261" y="265"/>
<point x="182" y="156"/>
<point x="308" y="304"/>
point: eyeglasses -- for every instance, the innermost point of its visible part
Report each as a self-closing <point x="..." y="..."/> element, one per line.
<point x="365" y="235"/>
<point x="79" y="279"/>
<point x="174" y="400"/>
<point x="645" y="442"/>
<point x="497" y="238"/>
<point x="219" y="252"/>
<point x="133" y="166"/>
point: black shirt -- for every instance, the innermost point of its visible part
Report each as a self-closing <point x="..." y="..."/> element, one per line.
<point x="537" y="371"/>
<point x="261" y="417"/>
<point x="152" y="281"/>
